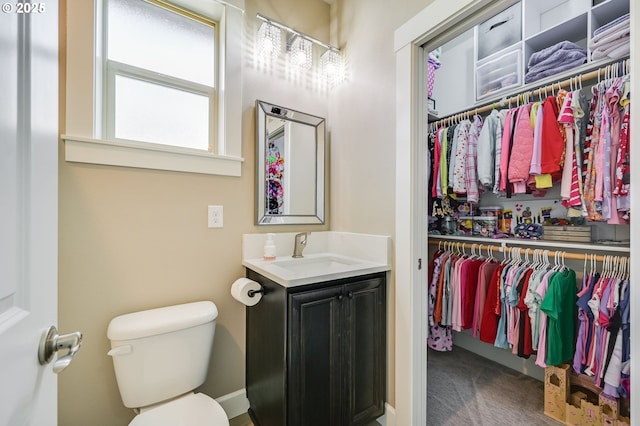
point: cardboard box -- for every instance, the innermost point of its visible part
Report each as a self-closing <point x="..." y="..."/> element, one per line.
<point x="581" y="412"/>
<point x="574" y="415"/>
<point x="609" y="408"/>
<point x="556" y="391"/>
<point x="576" y="398"/>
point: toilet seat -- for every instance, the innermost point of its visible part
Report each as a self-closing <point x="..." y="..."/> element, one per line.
<point x="195" y="409"/>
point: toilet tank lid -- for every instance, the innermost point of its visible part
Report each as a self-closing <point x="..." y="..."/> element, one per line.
<point x="161" y="320"/>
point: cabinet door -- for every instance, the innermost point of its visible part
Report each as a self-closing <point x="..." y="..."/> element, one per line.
<point x="315" y="336"/>
<point x="365" y="350"/>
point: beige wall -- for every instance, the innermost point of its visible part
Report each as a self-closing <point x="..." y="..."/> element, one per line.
<point x="362" y="116"/>
<point x="131" y="239"/>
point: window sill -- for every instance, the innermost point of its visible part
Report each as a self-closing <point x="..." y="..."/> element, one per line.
<point x="149" y="156"/>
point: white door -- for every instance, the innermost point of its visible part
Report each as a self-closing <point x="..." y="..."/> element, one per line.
<point x="28" y="208"/>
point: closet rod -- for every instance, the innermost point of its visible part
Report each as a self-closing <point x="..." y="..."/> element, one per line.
<point x="551" y="253"/>
<point x="602" y="72"/>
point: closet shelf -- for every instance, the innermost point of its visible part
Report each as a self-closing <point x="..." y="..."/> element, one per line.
<point x="533" y="243"/>
<point x="576" y="76"/>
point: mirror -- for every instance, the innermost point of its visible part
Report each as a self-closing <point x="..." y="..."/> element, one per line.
<point x="290" y="162"/>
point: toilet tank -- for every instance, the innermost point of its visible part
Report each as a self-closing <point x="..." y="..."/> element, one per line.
<point x="161" y="353"/>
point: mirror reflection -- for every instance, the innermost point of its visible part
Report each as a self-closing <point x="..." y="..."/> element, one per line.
<point x="290" y="166"/>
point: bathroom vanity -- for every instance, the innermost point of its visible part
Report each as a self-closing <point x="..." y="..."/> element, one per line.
<point x="316" y="353"/>
<point x="316" y="341"/>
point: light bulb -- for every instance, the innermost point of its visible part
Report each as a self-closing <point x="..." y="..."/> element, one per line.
<point x="269" y="40"/>
<point x="331" y="65"/>
<point x="300" y="53"/>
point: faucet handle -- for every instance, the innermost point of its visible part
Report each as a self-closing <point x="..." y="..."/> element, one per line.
<point x="300" y="243"/>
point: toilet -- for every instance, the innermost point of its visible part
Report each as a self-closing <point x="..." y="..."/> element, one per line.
<point x="160" y="356"/>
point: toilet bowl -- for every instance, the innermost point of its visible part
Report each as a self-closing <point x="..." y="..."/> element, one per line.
<point x="195" y="409"/>
<point x="160" y="356"/>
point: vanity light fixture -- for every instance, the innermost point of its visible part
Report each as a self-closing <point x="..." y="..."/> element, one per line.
<point x="299" y="52"/>
<point x="299" y="49"/>
<point x="269" y="41"/>
<point x="331" y="66"/>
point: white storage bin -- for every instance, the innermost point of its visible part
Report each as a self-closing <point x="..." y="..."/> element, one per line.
<point x="499" y="74"/>
<point x="499" y="32"/>
<point x="545" y="14"/>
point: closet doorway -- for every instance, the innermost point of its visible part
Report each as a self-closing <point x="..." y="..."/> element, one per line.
<point x="433" y="27"/>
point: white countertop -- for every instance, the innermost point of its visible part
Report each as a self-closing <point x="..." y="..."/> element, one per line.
<point x="328" y="256"/>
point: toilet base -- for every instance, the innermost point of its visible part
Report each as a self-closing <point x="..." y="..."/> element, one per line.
<point x="192" y="409"/>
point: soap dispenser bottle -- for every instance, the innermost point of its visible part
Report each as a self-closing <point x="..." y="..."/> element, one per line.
<point x="269" y="248"/>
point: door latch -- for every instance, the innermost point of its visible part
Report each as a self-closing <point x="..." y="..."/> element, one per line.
<point x="51" y="342"/>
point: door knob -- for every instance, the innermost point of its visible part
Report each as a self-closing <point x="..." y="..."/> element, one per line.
<point x="51" y="342"/>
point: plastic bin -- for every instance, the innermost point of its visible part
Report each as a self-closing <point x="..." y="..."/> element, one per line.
<point x="494" y="211"/>
<point x="485" y="226"/>
<point x="465" y="225"/>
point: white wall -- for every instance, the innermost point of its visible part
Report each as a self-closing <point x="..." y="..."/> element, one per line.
<point x="132" y="239"/>
<point x="362" y="121"/>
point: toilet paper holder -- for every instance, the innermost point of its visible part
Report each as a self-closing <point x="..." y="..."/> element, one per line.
<point x="252" y="293"/>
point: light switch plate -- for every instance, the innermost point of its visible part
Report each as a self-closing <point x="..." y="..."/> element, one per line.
<point x="215" y="216"/>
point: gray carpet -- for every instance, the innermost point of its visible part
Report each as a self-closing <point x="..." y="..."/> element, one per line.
<point x="466" y="389"/>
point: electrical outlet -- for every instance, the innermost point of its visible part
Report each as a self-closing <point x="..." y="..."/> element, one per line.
<point x="215" y="216"/>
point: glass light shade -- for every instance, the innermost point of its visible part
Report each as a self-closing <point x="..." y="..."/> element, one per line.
<point x="300" y="53"/>
<point x="269" y="41"/>
<point x="331" y="65"/>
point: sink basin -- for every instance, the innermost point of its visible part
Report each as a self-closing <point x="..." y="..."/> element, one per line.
<point x="315" y="264"/>
<point x="311" y="268"/>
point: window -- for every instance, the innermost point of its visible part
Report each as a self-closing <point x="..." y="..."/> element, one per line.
<point x="160" y="76"/>
<point x="153" y="92"/>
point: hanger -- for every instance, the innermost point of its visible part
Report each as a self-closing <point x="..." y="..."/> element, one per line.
<point x="628" y="268"/>
<point x="540" y="263"/>
<point x="516" y="258"/>
<point x="605" y="266"/>
<point x="556" y="260"/>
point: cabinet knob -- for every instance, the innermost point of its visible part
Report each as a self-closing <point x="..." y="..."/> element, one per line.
<point x="340" y="296"/>
<point x="350" y="294"/>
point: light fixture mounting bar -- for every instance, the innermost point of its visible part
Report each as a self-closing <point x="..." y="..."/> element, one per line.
<point x="297" y="33"/>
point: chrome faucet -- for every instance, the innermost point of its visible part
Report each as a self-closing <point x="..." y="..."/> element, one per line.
<point x="299" y="244"/>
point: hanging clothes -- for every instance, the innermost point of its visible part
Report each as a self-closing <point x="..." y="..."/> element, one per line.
<point x="440" y="338"/>
<point x="559" y="305"/>
<point x="564" y="139"/>
<point x="488" y="142"/>
<point x="522" y="151"/>
<point x="531" y="309"/>
<point x="471" y="167"/>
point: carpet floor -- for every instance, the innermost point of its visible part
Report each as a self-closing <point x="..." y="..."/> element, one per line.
<point x="466" y="389"/>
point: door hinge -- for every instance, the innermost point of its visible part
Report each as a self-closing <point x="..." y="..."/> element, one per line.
<point x="419" y="264"/>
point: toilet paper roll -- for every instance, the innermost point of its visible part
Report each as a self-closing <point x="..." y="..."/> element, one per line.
<point x="240" y="291"/>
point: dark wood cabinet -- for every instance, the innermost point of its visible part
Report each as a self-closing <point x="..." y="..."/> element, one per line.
<point x="316" y="354"/>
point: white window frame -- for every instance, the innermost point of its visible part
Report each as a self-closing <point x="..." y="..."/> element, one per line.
<point x="84" y="141"/>
<point x="115" y="69"/>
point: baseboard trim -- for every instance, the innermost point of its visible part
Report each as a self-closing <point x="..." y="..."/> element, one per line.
<point x="234" y="403"/>
<point x="389" y="416"/>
